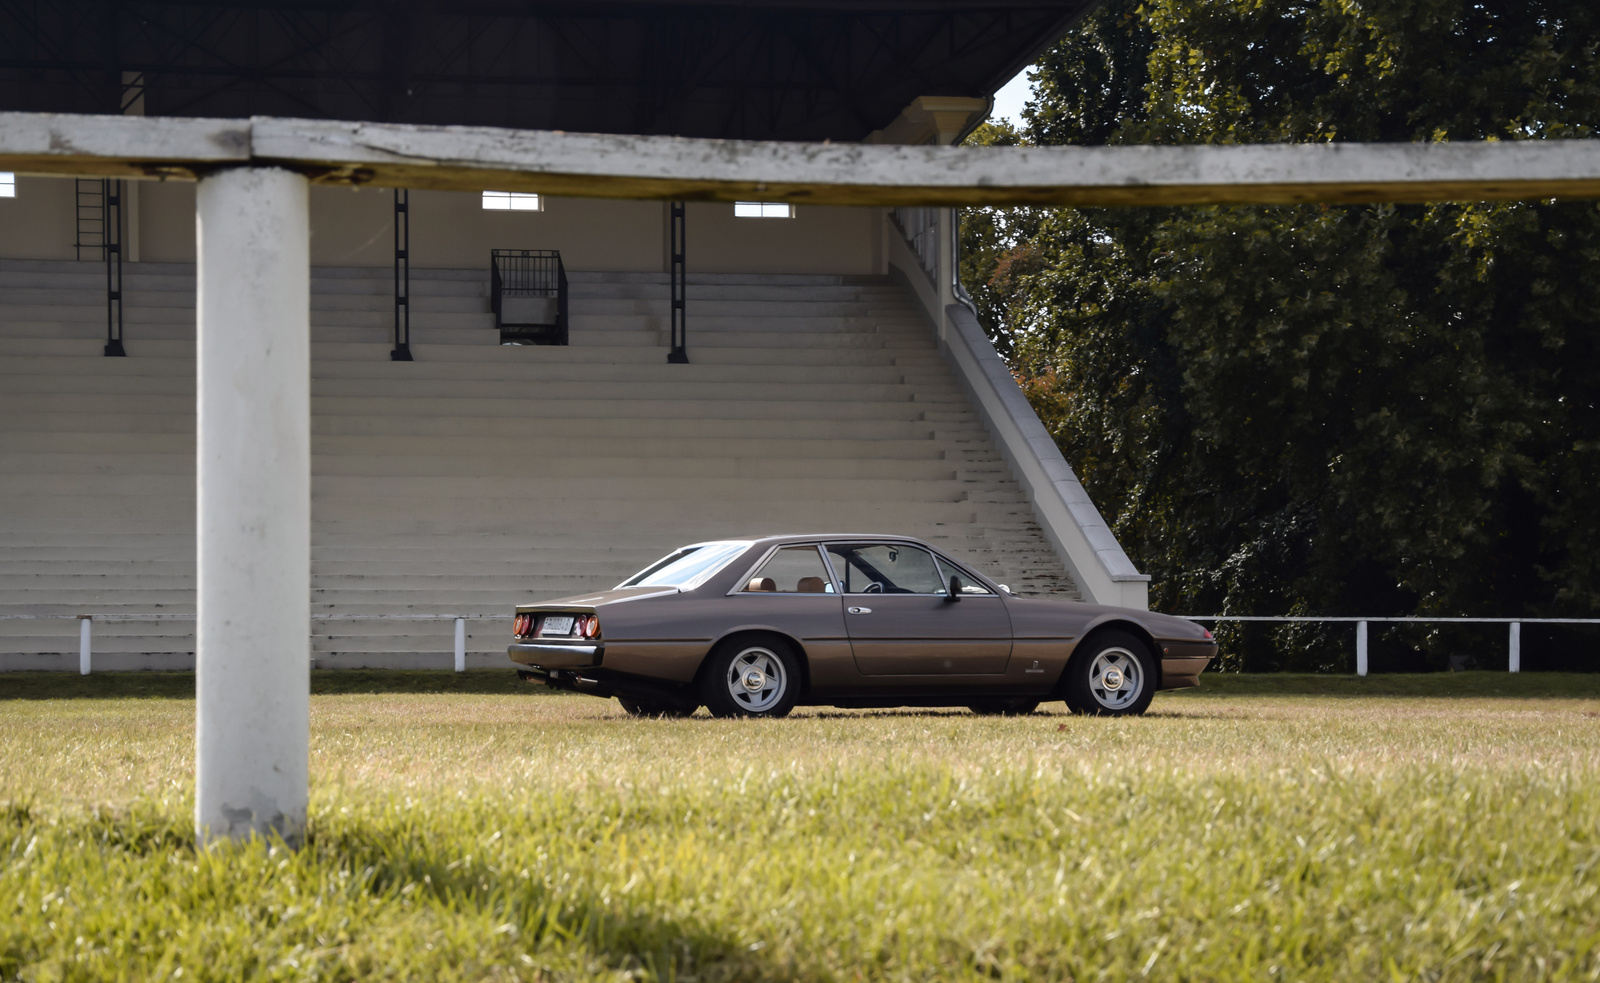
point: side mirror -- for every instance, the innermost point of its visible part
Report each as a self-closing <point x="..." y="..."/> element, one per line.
<point x="955" y="588"/>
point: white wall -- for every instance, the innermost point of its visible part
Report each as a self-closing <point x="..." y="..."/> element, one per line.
<point x="37" y="223"/>
<point x="451" y="230"/>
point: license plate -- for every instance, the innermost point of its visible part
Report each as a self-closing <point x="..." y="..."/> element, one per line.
<point x="554" y="625"/>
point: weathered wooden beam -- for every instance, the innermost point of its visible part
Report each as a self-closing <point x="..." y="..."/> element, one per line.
<point x="463" y="158"/>
<point x="120" y="146"/>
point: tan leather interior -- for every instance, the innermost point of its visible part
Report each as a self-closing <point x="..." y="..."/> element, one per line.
<point x="811" y="585"/>
<point x="762" y="584"/>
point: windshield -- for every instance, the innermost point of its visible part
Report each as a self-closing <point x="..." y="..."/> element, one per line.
<point x="687" y="568"/>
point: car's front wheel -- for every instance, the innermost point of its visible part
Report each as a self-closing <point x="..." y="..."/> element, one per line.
<point x="751" y="678"/>
<point x="1113" y="675"/>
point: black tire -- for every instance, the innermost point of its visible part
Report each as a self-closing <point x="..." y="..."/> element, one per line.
<point x="655" y="709"/>
<point x="1085" y="684"/>
<point x="728" y="690"/>
<point x="1000" y="706"/>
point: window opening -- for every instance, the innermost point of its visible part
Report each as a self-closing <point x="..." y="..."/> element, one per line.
<point x="886" y="568"/>
<point x="792" y="570"/>
<point x="8" y="184"/>
<point x="687" y="568"/>
<point x="968" y="584"/>
<point x="513" y="201"/>
<point x="763" y="209"/>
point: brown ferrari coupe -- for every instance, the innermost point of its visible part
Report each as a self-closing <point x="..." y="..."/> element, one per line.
<point x="754" y="627"/>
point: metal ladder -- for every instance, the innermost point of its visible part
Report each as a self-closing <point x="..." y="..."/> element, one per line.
<point x="99" y="231"/>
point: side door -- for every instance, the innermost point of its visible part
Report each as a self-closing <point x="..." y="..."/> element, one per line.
<point x="903" y="621"/>
<point x="793" y="592"/>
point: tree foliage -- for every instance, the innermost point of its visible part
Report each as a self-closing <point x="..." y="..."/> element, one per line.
<point x="1321" y="410"/>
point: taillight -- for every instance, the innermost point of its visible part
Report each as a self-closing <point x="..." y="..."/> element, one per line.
<point x="1207" y="631"/>
<point x="588" y="626"/>
<point x="523" y="625"/>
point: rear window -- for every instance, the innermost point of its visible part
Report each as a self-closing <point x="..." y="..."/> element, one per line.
<point x="687" y="568"/>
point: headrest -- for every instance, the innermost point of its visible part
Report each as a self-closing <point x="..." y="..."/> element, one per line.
<point x="762" y="583"/>
<point x="811" y="585"/>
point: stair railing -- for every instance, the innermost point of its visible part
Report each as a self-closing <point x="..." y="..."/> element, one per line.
<point x="528" y="295"/>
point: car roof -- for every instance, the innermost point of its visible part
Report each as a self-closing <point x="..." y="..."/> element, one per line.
<point x="767" y="542"/>
<point x="829" y="537"/>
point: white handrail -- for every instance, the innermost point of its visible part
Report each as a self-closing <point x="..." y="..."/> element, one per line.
<point x="86" y="621"/>
<point x="1513" y="642"/>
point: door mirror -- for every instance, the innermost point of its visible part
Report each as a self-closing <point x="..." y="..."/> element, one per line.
<point x="955" y="588"/>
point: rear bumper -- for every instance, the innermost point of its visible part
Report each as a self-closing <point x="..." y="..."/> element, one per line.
<point x="555" y="655"/>
<point x="599" y="682"/>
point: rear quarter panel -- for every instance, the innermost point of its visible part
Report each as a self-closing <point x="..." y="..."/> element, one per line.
<point x="669" y="637"/>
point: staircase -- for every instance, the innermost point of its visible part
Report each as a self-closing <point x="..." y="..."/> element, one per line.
<point x="479" y="475"/>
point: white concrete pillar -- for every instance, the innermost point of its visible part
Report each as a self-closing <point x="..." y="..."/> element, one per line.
<point x="85" y="630"/>
<point x="1361" y="648"/>
<point x="461" y="645"/>
<point x="254" y="509"/>
<point x="1516" y="646"/>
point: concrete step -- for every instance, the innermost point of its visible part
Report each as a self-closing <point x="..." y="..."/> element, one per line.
<point x="127" y="470"/>
<point x="481" y="475"/>
<point x="440" y="425"/>
<point x="545" y="446"/>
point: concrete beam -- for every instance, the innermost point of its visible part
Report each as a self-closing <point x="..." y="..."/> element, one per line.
<point x="120" y="146"/>
<point x="465" y="158"/>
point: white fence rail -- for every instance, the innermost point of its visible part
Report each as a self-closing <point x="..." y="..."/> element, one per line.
<point x="86" y="630"/>
<point x="1514" y="641"/>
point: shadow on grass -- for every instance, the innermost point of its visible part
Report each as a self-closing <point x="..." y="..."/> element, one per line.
<point x="908" y="713"/>
<point x="180" y="685"/>
<point x="408" y="865"/>
<point x="1478" y="685"/>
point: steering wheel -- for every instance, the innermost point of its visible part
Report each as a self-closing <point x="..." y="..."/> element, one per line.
<point x="875" y="587"/>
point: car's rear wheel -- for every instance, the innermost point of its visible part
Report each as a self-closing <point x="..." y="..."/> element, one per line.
<point x="1002" y="707"/>
<point x="1112" y="675"/>
<point x="636" y="709"/>
<point x="751" y="678"/>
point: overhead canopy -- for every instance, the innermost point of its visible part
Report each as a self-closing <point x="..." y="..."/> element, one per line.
<point x="757" y="69"/>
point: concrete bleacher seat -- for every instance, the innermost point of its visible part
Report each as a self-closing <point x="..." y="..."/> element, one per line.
<point x="480" y="475"/>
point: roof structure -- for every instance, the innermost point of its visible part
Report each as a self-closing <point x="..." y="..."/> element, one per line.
<point x="757" y="69"/>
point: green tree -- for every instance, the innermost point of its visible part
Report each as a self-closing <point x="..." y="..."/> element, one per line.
<point x="1321" y="410"/>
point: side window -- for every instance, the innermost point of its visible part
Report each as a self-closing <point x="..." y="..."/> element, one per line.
<point x="968" y="584"/>
<point x="792" y="570"/>
<point x="886" y="568"/>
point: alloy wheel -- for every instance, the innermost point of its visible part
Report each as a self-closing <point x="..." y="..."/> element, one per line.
<point x="756" y="679"/>
<point x="1116" y="678"/>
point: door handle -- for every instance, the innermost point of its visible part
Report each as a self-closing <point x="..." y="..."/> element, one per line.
<point x="859" y="610"/>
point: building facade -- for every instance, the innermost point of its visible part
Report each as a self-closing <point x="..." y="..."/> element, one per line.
<point x="834" y="381"/>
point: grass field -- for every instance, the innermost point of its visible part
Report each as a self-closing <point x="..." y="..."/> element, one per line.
<point x="469" y="828"/>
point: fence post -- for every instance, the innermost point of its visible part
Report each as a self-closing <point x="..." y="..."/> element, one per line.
<point x="461" y="645"/>
<point x="84" y="621"/>
<point x="1516" y="646"/>
<point x="1361" y="648"/>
